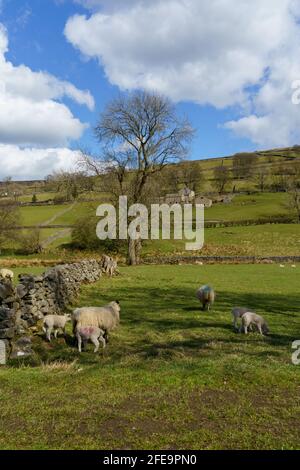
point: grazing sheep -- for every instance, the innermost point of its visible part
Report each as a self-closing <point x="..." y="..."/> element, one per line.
<point x="293" y="266"/>
<point x="206" y="296"/>
<point x="6" y="273"/>
<point x="250" y="318"/>
<point x="92" y="333"/>
<point x="282" y="266"/>
<point x="109" y="265"/>
<point x="237" y="313"/>
<point x="106" y="318"/>
<point x="55" y="322"/>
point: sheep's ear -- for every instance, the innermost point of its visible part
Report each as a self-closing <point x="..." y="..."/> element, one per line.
<point x="117" y="301"/>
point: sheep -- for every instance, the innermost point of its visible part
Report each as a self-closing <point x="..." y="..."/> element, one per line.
<point x="92" y="333"/>
<point x="55" y="322"/>
<point x="106" y="318"/>
<point x="6" y="273"/>
<point x="112" y="267"/>
<point x="252" y="318"/>
<point x="206" y="296"/>
<point x="109" y="265"/>
<point x="238" y="312"/>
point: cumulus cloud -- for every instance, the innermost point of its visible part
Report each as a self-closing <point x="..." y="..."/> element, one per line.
<point x="217" y="52"/>
<point x="31" y="112"/>
<point x="108" y="4"/>
<point x="32" y="163"/>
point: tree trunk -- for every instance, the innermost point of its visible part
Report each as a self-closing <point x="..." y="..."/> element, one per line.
<point x="132" y="261"/>
<point x="134" y="252"/>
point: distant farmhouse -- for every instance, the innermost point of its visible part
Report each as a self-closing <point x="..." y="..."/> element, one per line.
<point x="186" y="196"/>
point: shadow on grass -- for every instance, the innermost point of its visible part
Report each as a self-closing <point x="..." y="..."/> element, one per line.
<point x="168" y="323"/>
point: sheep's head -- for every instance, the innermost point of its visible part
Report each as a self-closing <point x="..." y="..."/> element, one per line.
<point x="68" y="317"/>
<point x="115" y="305"/>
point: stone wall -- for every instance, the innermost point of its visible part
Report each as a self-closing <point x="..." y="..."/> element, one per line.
<point x="21" y="307"/>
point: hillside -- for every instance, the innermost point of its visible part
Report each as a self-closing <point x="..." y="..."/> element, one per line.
<point x="249" y="204"/>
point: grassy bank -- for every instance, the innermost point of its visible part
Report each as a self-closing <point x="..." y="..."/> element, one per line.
<point x="172" y="377"/>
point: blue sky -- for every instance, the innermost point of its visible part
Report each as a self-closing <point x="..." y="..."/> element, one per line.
<point x="229" y="87"/>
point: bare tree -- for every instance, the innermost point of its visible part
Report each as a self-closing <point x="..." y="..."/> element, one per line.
<point x="9" y="221"/>
<point x="243" y="164"/>
<point x="222" y="178"/>
<point x="71" y="184"/>
<point x="293" y="189"/>
<point x="294" y="193"/>
<point x="261" y="177"/>
<point x="191" y="174"/>
<point x="140" y="134"/>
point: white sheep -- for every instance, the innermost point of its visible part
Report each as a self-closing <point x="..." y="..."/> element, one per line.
<point x="6" y="273"/>
<point x="206" y="296"/>
<point x="55" y="322"/>
<point x="237" y="313"/>
<point x="109" y="265"/>
<point x="90" y="333"/>
<point x="251" y="318"/>
<point x="106" y="318"/>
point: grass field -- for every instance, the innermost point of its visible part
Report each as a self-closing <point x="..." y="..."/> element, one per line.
<point x="172" y="376"/>
<point x="34" y="215"/>
<point x="252" y="207"/>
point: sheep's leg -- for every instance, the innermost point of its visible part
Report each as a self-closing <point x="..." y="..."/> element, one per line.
<point x="48" y="334"/>
<point x="102" y="341"/>
<point x="79" y="342"/>
<point x="55" y="333"/>
<point x="246" y="329"/>
<point x="105" y="336"/>
<point x="96" y="343"/>
<point x="260" y="329"/>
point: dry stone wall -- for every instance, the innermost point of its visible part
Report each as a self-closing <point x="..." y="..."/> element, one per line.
<point x="21" y="307"/>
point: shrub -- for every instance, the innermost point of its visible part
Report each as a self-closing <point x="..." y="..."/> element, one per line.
<point x="31" y="242"/>
<point x="84" y="236"/>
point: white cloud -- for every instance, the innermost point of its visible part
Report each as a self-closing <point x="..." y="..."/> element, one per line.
<point x="108" y="4"/>
<point x="30" y="111"/>
<point x="218" y="52"/>
<point x="33" y="163"/>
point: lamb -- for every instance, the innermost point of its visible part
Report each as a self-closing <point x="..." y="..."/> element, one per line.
<point x="55" y="322"/>
<point x="112" y="267"/>
<point x="206" y="296"/>
<point x="92" y="333"/>
<point x="109" y="265"/>
<point x="237" y="313"/>
<point x="6" y="273"/>
<point x="250" y="318"/>
<point x="106" y="318"/>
